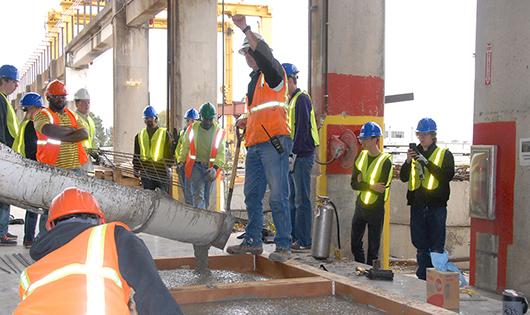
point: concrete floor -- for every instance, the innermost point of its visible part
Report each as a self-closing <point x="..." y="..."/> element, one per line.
<point x="403" y="284"/>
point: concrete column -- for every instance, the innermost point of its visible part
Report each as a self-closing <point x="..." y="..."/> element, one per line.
<point x="75" y="79"/>
<point x="499" y="247"/>
<point x="347" y="66"/>
<point x="131" y="78"/>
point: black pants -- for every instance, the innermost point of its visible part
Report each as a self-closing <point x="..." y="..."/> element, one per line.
<point x="152" y="184"/>
<point x="374" y="218"/>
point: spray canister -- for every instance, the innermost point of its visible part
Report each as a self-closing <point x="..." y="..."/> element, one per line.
<point x="514" y="303"/>
<point x="322" y="223"/>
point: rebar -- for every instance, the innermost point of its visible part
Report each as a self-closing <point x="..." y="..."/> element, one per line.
<point x="10" y="267"/>
<point x="22" y="262"/>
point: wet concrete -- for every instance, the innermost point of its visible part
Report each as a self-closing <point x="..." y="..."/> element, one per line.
<point x="187" y="277"/>
<point x="318" y="305"/>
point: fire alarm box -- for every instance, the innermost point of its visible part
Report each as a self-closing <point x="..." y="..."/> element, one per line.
<point x="483" y="168"/>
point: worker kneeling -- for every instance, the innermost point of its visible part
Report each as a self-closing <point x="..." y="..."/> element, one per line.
<point x="85" y="266"/>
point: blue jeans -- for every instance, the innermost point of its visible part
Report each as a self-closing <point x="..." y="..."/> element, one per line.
<point x="201" y="189"/>
<point x="374" y="218"/>
<point x="4" y="218"/>
<point x="264" y="165"/>
<point x="300" y="200"/>
<point x="186" y="187"/>
<point x="30" y="224"/>
<point x="427" y="231"/>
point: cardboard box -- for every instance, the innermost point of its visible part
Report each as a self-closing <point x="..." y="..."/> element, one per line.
<point x="443" y="288"/>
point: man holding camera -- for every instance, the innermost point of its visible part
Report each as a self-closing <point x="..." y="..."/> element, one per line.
<point x="428" y="170"/>
<point x="269" y="145"/>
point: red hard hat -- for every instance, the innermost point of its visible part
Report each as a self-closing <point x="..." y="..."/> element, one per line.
<point x="72" y="201"/>
<point x="56" y="87"/>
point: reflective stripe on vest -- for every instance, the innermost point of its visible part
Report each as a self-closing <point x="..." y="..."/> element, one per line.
<point x="292" y="118"/>
<point x="91" y="126"/>
<point x="429" y="182"/>
<point x="371" y="174"/>
<point x="93" y="269"/>
<point x="192" y="155"/>
<point x="12" y="121"/>
<point x="151" y="148"/>
<point x="19" y="144"/>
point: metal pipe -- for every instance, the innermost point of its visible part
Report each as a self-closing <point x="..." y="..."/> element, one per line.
<point x="413" y="262"/>
<point x="152" y="212"/>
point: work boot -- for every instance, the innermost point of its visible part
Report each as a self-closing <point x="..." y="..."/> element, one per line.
<point x="280" y="255"/>
<point x="11" y="236"/>
<point x="5" y="241"/>
<point x="243" y="249"/>
<point x="28" y="244"/>
<point x="298" y="248"/>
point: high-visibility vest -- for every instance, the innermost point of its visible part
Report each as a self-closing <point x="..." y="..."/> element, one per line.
<point x="429" y="182"/>
<point x="19" y="144"/>
<point x="48" y="149"/>
<point x="12" y="121"/>
<point x="152" y="149"/>
<point x="220" y="134"/>
<point x="292" y="118"/>
<point x="81" y="277"/>
<point x="179" y="145"/>
<point x="371" y="174"/>
<point x="91" y="126"/>
<point x="269" y="110"/>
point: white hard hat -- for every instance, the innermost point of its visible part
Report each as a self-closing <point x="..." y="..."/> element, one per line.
<point x="246" y="44"/>
<point x="82" y="94"/>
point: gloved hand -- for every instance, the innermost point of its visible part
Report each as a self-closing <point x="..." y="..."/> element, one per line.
<point x="420" y="158"/>
<point x="210" y="174"/>
<point x="292" y="159"/>
<point x="180" y="166"/>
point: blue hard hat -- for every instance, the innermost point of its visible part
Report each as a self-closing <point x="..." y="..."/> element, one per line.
<point x="149" y="111"/>
<point x="426" y="125"/>
<point x="370" y="129"/>
<point x="9" y="71"/>
<point x="32" y="99"/>
<point x="192" y="114"/>
<point x="290" y="68"/>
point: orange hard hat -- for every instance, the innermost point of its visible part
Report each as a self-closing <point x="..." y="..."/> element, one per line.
<point x="72" y="201"/>
<point x="56" y="87"/>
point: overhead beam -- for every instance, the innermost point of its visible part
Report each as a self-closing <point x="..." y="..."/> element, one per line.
<point x="138" y="12"/>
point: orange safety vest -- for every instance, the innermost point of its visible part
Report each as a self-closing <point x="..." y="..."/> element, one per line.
<point x="220" y="134"/>
<point x="48" y="149"/>
<point x="81" y="277"/>
<point x="270" y="109"/>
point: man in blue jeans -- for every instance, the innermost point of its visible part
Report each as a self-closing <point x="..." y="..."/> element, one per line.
<point x="305" y="139"/>
<point x="428" y="170"/>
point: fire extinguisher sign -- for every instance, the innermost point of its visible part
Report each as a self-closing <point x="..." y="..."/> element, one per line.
<point x="487" y="78"/>
<point x="524" y="154"/>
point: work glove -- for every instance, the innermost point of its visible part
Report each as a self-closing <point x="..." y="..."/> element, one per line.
<point x="210" y="174"/>
<point x="420" y="158"/>
<point x="292" y="159"/>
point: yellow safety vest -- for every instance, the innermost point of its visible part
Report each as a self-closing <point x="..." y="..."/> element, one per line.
<point x="12" y="121"/>
<point x="19" y="144"/>
<point x="429" y="183"/>
<point x="371" y="174"/>
<point x="292" y="118"/>
<point x="152" y="148"/>
<point x="91" y="126"/>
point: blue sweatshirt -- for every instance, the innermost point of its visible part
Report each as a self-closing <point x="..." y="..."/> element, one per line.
<point x="303" y="145"/>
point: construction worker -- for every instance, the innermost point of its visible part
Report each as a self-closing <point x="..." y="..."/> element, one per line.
<point x="152" y="153"/>
<point x="60" y="131"/>
<point x="26" y="144"/>
<point x="428" y="170"/>
<point x="191" y="116"/>
<point x="371" y="178"/>
<point x="8" y="132"/>
<point x="86" y="266"/>
<point x="268" y="146"/>
<point x="203" y="154"/>
<point x="82" y="104"/>
<point x="305" y="139"/>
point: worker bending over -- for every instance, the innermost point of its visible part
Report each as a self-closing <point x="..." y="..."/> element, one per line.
<point x="85" y="266"/>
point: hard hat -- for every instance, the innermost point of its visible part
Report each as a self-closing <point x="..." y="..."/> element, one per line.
<point x="290" y="68"/>
<point x="192" y="114"/>
<point x="426" y="124"/>
<point x="149" y="111"/>
<point x="73" y="201"/>
<point x="246" y="44"/>
<point x="56" y="87"/>
<point x="82" y="94"/>
<point x="370" y="129"/>
<point x="207" y="110"/>
<point x="9" y="71"/>
<point x="32" y="99"/>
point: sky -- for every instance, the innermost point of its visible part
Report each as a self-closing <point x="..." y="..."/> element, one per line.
<point x="429" y="51"/>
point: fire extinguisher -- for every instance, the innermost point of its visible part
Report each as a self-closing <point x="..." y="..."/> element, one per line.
<point x="479" y="184"/>
<point x="322" y="224"/>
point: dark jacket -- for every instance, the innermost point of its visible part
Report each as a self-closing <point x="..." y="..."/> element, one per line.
<point x="5" y="135"/>
<point x="438" y="197"/>
<point x="303" y="143"/>
<point x="136" y="265"/>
